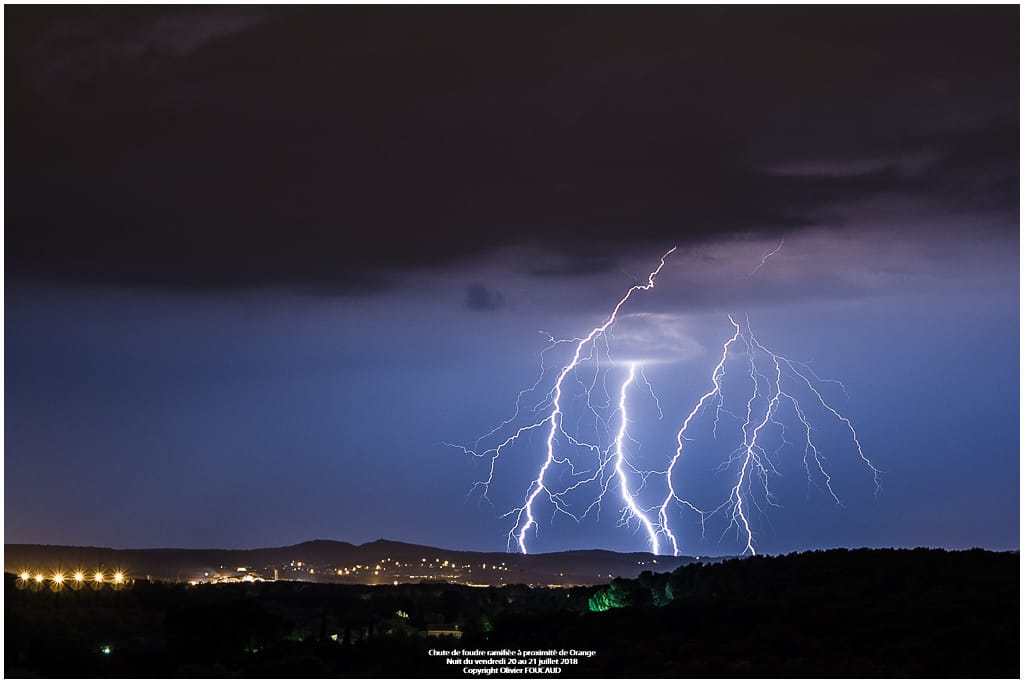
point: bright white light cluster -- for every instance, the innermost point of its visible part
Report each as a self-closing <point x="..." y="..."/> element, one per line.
<point x="57" y="579"/>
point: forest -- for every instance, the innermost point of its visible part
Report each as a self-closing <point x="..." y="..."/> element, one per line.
<point x="833" y="614"/>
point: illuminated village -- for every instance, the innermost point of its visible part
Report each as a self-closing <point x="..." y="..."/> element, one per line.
<point x="386" y="571"/>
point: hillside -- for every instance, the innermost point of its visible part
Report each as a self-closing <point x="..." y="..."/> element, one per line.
<point x="378" y="562"/>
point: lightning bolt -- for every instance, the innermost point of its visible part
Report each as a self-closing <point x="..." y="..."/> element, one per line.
<point x="771" y="390"/>
<point x="554" y="419"/>
<point x="775" y="383"/>
<point x="631" y="510"/>
<point x="764" y="258"/>
<point x="715" y="392"/>
<point x="587" y="348"/>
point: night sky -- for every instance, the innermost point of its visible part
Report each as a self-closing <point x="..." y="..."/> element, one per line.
<point x="263" y="263"/>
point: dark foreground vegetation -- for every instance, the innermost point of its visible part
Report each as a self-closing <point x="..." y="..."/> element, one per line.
<point x="836" y="614"/>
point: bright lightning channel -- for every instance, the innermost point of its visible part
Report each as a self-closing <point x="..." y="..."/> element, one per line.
<point x="631" y="510"/>
<point x="715" y="392"/>
<point x="774" y="383"/>
<point x="555" y="417"/>
<point x="524" y="515"/>
<point x="752" y="461"/>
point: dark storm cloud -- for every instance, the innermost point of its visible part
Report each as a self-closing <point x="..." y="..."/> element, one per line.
<point x="582" y="259"/>
<point x="480" y="298"/>
<point x="977" y="167"/>
<point x="217" y="147"/>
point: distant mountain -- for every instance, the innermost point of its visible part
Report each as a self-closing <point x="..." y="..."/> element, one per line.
<point x="378" y="562"/>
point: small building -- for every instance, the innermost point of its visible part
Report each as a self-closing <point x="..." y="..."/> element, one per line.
<point x="444" y="630"/>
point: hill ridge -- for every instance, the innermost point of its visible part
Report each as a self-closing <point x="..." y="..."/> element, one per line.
<point x="328" y="560"/>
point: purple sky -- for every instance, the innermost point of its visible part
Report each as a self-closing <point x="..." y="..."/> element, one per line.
<point x="263" y="263"/>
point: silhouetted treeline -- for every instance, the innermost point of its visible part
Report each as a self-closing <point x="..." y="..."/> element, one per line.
<point x="837" y="613"/>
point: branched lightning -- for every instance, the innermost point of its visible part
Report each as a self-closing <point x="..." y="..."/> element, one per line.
<point x="588" y="348"/>
<point x="631" y="510"/>
<point x="714" y="393"/>
<point x="751" y="463"/>
<point x="555" y="417"/>
<point x="587" y="460"/>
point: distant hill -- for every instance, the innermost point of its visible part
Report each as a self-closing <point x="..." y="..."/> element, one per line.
<point x="378" y="562"/>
